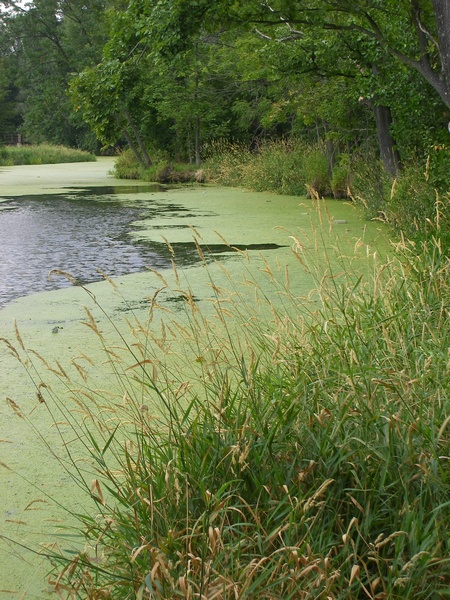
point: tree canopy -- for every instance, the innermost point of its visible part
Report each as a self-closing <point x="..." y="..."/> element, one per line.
<point x="173" y="75"/>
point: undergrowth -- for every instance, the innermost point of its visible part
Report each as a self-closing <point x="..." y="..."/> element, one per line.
<point x="42" y="154"/>
<point x="305" y="455"/>
<point x="282" y="166"/>
<point x="162" y="170"/>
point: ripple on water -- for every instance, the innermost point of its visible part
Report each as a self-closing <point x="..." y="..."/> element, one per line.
<point x="86" y="233"/>
<point x="80" y="235"/>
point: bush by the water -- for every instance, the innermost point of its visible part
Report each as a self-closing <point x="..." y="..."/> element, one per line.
<point x="126" y="166"/>
<point x="162" y="171"/>
<point x="305" y="456"/>
<point x="42" y="154"/>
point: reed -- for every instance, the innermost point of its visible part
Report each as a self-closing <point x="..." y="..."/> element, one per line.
<point x="282" y="167"/>
<point x="266" y="445"/>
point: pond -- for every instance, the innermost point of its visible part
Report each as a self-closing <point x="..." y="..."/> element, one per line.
<point x="80" y="233"/>
<point x="86" y="233"/>
<point x="78" y="219"/>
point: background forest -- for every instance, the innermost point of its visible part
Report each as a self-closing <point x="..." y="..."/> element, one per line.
<point x="338" y="84"/>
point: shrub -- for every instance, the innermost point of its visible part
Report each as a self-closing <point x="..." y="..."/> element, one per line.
<point x="415" y="203"/>
<point x="340" y="180"/>
<point x="164" y="172"/>
<point x="282" y="167"/>
<point x="370" y="185"/>
<point x="161" y="171"/>
<point x="126" y="166"/>
<point x="418" y="200"/>
<point x="411" y="202"/>
<point x="225" y="162"/>
<point x="278" y="168"/>
<point x="437" y="168"/>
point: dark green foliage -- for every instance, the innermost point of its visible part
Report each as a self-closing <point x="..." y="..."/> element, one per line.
<point x="43" y="46"/>
<point x="315" y="169"/>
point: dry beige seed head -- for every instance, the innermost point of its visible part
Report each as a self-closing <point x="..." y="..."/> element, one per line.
<point x="354" y="574"/>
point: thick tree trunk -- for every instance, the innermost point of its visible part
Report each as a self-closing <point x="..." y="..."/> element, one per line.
<point x="388" y="152"/>
<point x="442" y="13"/>
<point x="383" y="119"/>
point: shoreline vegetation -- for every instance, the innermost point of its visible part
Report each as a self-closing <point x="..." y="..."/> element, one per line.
<point x="298" y="455"/>
<point x="410" y="202"/>
<point x="42" y="154"/>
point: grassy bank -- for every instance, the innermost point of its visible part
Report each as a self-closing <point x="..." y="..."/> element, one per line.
<point x="301" y="456"/>
<point x="41" y="155"/>
<point x="284" y="167"/>
<point x="408" y="202"/>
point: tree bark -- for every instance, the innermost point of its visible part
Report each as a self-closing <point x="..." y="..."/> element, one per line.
<point x="133" y="147"/>
<point x="442" y="13"/>
<point x="388" y="152"/>
<point x="146" y="158"/>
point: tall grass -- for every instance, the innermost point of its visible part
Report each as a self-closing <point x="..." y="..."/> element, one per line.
<point x="305" y="455"/>
<point x="413" y="202"/>
<point x="281" y="166"/>
<point x="42" y="154"/>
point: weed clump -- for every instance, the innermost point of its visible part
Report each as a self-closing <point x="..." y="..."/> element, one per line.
<point x="162" y="170"/>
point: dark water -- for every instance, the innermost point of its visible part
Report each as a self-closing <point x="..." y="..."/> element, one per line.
<point x="83" y="233"/>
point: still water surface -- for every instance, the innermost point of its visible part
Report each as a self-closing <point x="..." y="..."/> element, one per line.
<point x="80" y="233"/>
<point x="85" y="233"/>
